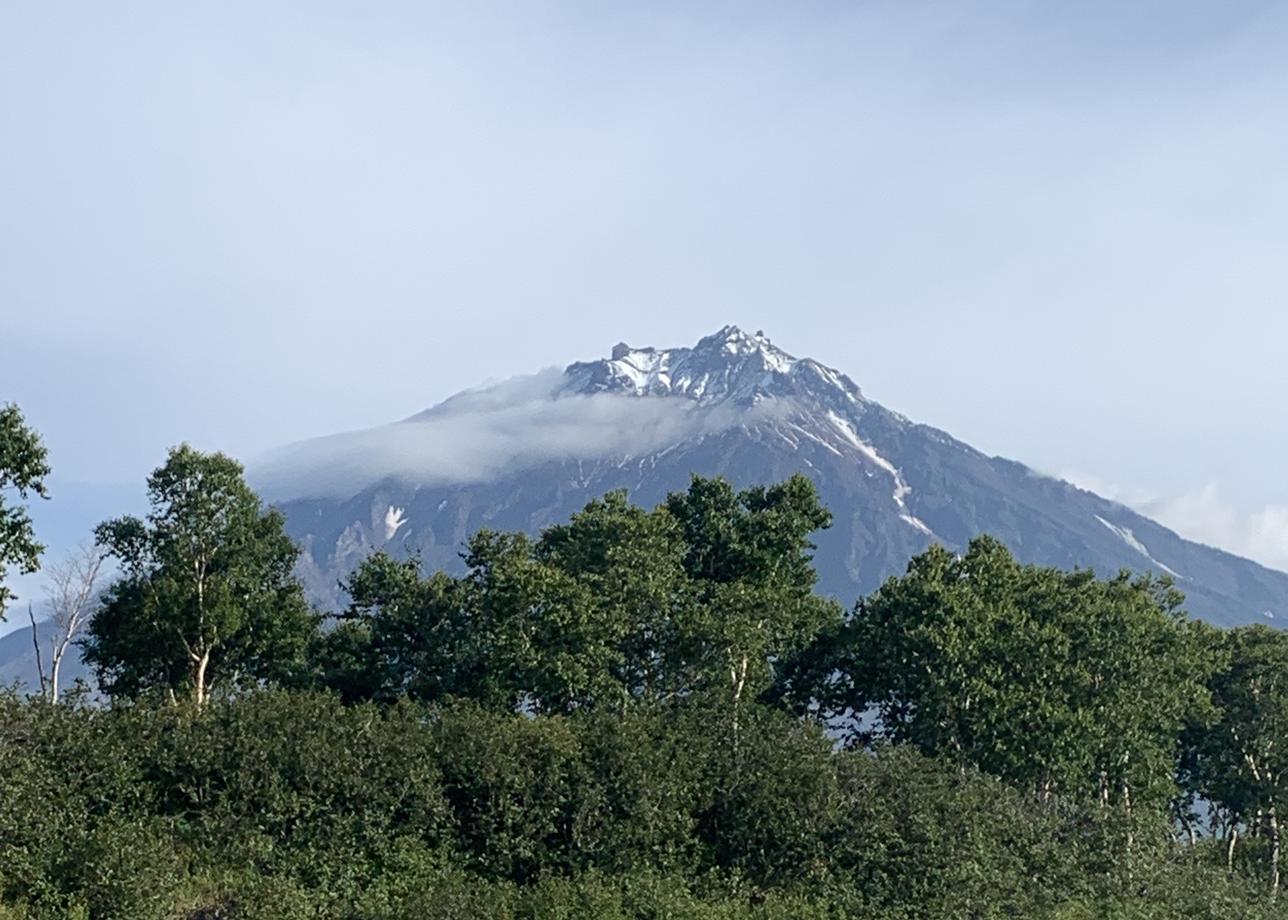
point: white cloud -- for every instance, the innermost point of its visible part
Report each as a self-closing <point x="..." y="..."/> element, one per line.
<point x="1206" y="516"/>
<point x="480" y="434"/>
<point x="1131" y="496"/>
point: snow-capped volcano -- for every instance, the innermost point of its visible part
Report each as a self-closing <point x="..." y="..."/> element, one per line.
<point x="728" y="366"/>
<point x="529" y="452"/>
<point x="814" y="402"/>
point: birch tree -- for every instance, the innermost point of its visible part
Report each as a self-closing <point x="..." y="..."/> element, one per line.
<point x="706" y="593"/>
<point x="1054" y="681"/>
<point x="207" y="597"/>
<point x="71" y="592"/>
<point x="1244" y="755"/>
<point x="750" y="559"/>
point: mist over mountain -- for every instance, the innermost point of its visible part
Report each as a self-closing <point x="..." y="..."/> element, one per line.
<point x="529" y="452"/>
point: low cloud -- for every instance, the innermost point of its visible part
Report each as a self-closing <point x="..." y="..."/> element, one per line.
<point x="1206" y="516"/>
<point x="484" y="433"/>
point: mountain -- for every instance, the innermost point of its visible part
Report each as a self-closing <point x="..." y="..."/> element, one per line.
<point x="525" y="454"/>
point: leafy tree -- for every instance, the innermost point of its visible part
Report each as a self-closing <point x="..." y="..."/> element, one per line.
<point x="751" y="556"/>
<point x="542" y="622"/>
<point x="630" y="562"/>
<point x="207" y="596"/>
<point x="23" y="468"/>
<point x="1243" y="755"/>
<point x="1137" y="677"/>
<point x="1054" y="681"/>
<point x="513" y="633"/>
<point x="403" y="635"/>
<point x="706" y="593"/>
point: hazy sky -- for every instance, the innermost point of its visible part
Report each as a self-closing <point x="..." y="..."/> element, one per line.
<point x="1059" y="231"/>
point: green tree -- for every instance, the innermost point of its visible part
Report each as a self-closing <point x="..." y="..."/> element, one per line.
<point x="750" y="556"/>
<point x="1136" y="678"/>
<point x="1243" y="755"/>
<point x="23" y="468"/>
<point x="207" y="597"/>
<point x="706" y="593"/>
<point x="1053" y="681"/>
<point x="630" y="562"/>
<point x="512" y="633"/>
<point x="402" y="635"/>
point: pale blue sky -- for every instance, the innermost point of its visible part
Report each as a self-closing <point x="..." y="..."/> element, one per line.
<point x="1056" y="230"/>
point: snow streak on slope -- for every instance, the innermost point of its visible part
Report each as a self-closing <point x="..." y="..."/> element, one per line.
<point x="1129" y="538"/>
<point x="901" y="488"/>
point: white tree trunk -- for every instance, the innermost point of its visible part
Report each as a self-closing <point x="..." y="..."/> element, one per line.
<point x="1273" y="824"/>
<point x="199" y="686"/>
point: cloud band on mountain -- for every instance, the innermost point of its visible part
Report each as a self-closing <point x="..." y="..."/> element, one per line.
<point x="480" y="434"/>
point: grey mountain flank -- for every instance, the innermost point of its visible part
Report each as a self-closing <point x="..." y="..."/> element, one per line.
<point x="646" y="419"/>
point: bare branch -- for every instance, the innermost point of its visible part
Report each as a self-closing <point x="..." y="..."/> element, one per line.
<point x="72" y="592"/>
<point x="35" y="640"/>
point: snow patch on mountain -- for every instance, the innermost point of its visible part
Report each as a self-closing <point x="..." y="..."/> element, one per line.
<point x="811" y="436"/>
<point x="727" y="366"/>
<point x="394" y="519"/>
<point x="917" y="523"/>
<point x="1125" y="534"/>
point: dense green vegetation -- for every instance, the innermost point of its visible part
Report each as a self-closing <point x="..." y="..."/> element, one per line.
<point x="23" y="468"/>
<point x="638" y="714"/>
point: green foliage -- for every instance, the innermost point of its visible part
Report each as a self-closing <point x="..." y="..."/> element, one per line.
<point x="1240" y="759"/>
<point x="703" y="594"/>
<point x="750" y="557"/>
<point x="1053" y="681"/>
<point x="286" y="804"/>
<point x="920" y="836"/>
<point x="77" y="830"/>
<point x="767" y="795"/>
<point x="23" y="468"/>
<point x="300" y="782"/>
<point x="207" y="598"/>
<point x="1245" y="760"/>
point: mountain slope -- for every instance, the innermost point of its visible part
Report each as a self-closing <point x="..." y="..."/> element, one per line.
<point x="644" y="420"/>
